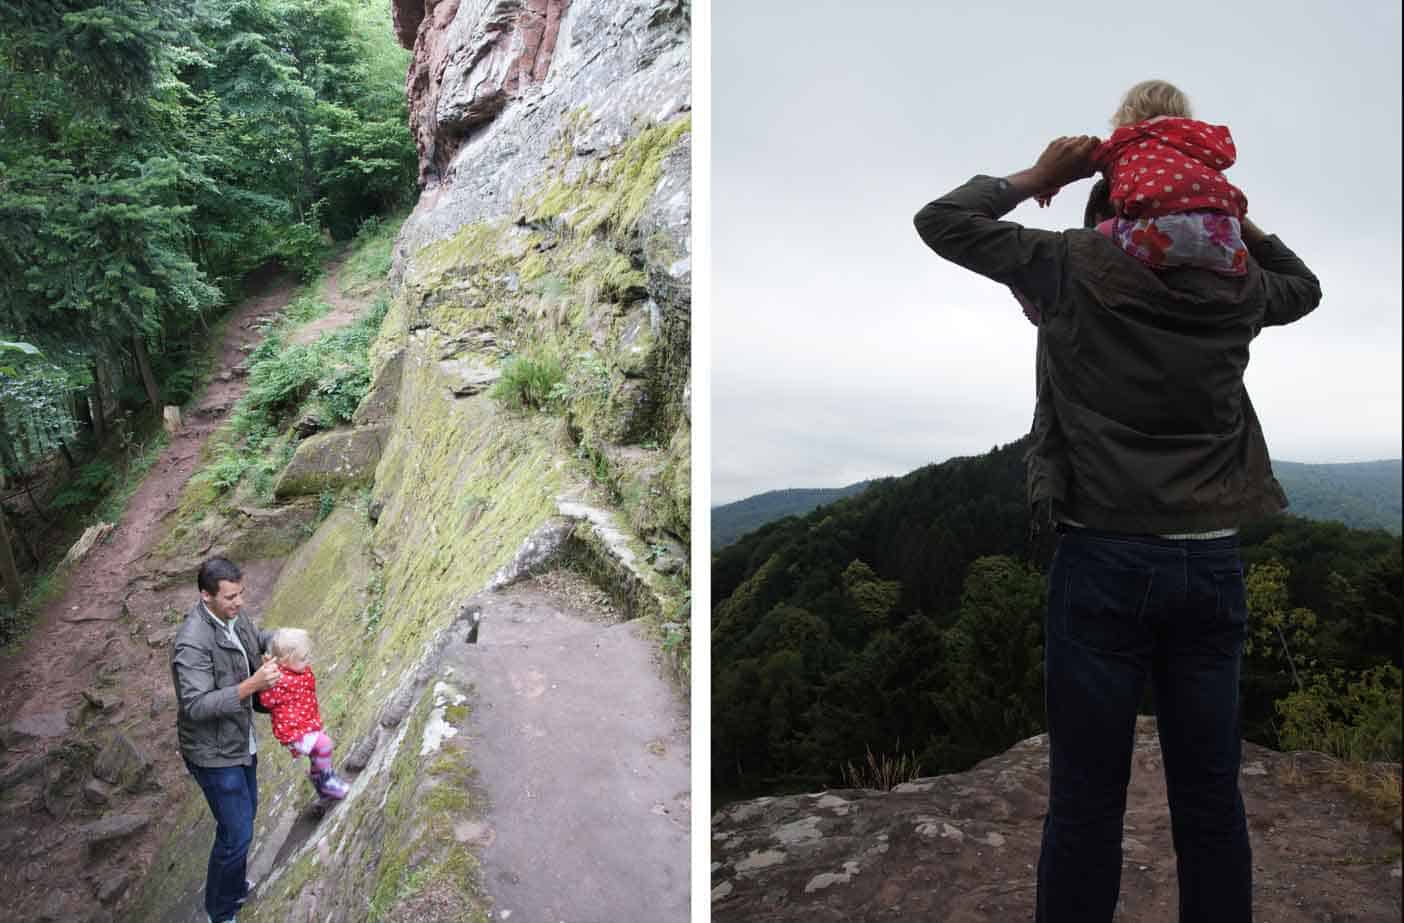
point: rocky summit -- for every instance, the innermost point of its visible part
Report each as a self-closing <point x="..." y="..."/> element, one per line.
<point x="963" y="848"/>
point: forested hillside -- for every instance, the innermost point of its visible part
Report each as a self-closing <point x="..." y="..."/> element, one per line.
<point x="1364" y="495"/>
<point x="154" y="153"/>
<point x="730" y="521"/>
<point x="907" y="621"/>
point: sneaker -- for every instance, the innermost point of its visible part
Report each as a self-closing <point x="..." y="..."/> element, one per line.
<point x="330" y="786"/>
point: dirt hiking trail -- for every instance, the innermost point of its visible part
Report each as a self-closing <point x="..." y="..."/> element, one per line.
<point x="95" y="664"/>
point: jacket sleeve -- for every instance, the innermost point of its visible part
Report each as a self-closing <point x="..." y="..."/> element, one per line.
<point x="1292" y="290"/>
<point x="200" y="698"/>
<point x="964" y="227"/>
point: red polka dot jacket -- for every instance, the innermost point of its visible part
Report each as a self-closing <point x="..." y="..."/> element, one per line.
<point x="292" y="704"/>
<point x="1167" y="166"/>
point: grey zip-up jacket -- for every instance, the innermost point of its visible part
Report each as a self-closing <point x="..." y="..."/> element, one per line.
<point x="211" y="723"/>
<point x="1142" y="422"/>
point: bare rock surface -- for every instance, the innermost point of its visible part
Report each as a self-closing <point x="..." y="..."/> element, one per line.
<point x="113" y="827"/>
<point x="582" y="749"/>
<point x="964" y="847"/>
<point x="492" y="81"/>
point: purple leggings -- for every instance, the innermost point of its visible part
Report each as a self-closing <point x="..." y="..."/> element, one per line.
<point x="317" y="746"/>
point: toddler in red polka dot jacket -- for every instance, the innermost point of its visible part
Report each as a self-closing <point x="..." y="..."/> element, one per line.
<point x="1165" y="172"/>
<point x="297" y="719"/>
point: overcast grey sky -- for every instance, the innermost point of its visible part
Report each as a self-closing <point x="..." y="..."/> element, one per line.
<point x="843" y="349"/>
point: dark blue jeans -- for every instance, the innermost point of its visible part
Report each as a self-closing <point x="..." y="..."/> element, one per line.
<point x="1122" y="608"/>
<point x="232" y="793"/>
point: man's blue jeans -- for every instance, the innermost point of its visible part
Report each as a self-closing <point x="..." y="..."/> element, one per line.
<point x="1121" y="608"/>
<point x="232" y="793"/>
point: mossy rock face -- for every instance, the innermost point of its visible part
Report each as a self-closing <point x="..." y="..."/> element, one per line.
<point x="384" y="395"/>
<point x="328" y="461"/>
<point x="638" y="335"/>
<point x="567" y="233"/>
<point x="677" y="485"/>
<point x="637" y="476"/>
<point x="240" y="534"/>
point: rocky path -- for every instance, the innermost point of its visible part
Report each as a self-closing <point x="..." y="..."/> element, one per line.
<point x="582" y="750"/>
<point x="92" y="681"/>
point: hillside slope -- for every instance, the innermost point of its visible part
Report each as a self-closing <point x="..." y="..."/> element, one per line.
<point x="730" y="521"/>
<point x="1362" y="495"/>
<point x="907" y="621"/>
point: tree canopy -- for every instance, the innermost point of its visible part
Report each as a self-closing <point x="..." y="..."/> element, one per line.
<point x="152" y="153"/>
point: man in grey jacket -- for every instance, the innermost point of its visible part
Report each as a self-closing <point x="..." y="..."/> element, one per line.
<point x="1148" y="453"/>
<point x="216" y="675"/>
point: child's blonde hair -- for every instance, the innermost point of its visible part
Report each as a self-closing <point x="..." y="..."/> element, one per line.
<point x="1148" y="99"/>
<point x="289" y="643"/>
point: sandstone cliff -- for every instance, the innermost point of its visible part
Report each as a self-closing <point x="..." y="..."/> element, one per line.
<point x="553" y="232"/>
<point x="963" y="848"/>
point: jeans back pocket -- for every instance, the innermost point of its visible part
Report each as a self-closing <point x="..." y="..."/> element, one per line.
<point x="1104" y="607"/>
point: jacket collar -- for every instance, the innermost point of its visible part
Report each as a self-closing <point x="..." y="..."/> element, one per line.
<point x="222" y="630"/>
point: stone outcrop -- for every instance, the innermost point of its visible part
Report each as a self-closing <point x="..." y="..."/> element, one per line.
<point x="964" y="847"/>
<point x="471" y="58"/>
<point x="328" y="461"/>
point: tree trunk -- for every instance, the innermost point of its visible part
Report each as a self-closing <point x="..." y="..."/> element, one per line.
<point x="310" y="190"/>
<point x="95" y="407"/>
<point x="29" y="492"/>
<point x="67" y="456"/>
<point x="153" y="393"/>
<point x="81" y="411"/>
<point x="7" y="565"/>
<point x="7" y="451"/>
<point x="23" y="537"/>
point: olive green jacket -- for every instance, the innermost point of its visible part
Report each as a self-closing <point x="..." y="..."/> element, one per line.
<point x="1142" y="422"/>
<point x="212" y="724"/>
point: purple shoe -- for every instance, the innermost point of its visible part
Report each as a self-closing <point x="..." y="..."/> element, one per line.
<point x="330" y="786"/>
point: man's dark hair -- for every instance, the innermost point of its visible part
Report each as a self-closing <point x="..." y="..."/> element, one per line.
<point x="213" y="571"/>
<point x="1099" y="207"/>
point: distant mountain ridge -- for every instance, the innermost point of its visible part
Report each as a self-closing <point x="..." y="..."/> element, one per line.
<point x="730" y="521"/>
<point x="1362" y="495"/>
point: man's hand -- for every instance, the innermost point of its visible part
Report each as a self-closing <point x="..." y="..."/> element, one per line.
<point x="265" y="677"/>
<point x="1065" y="160"/>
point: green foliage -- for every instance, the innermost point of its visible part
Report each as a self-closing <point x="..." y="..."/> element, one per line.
<point x="370" y="260"/>
<point x="1354" y="719"/>
<point x="301" y="248"/>
<point x="92" y="481"/>
<point x="375" y="605"/>
<point x="1277" y="632"/>
<point x="155" y="152"/>
<point x="993" y="694"/>
<point x="906" y="613"/>
<point x="304" y="308"/>
<point x="328" y="378"/>
<point x="326" y="502"/>
<point x="531" y="381"/>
